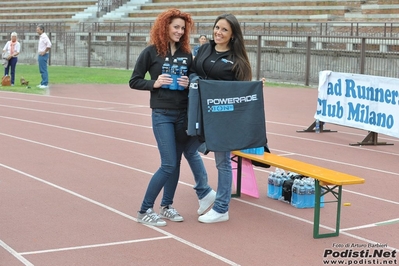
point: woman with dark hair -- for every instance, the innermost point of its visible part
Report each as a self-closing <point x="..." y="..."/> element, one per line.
<point x="202" y="39"/>
<point x="224" y="58"/>
<point x="169" y="38"/>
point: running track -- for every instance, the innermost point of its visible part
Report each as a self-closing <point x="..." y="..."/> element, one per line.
<point x="74" y="165"/>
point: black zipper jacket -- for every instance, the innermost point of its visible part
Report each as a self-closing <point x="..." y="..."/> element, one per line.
<point x="149" y="61"/>
<point x="222" y="67"/>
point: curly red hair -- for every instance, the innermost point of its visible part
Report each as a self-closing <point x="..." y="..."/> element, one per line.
<point x="159" y="35"/>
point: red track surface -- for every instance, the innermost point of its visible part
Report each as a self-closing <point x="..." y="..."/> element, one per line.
<point x="74" y="166"/>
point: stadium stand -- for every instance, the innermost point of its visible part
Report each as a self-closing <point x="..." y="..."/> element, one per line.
<point x="255" y="10"/>
<point x="72" y="12"/>
<point x="42" y="10"/>
<point x="250" y="11"/>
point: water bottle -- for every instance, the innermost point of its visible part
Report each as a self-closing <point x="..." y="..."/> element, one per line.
<point x="174" y="72"/>
<point x="309" y="197"/>
<point x="270" y="185"/>
<point x="295" y="192"/>
<point x="278" y="186"/>
<point x="166" y="70"/>
<point x="183" y="72"/>
<point x="301" y="193"/>
<point x="317" y="127"/>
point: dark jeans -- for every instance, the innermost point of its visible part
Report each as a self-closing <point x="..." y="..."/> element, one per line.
<point x="165" y="122"/>
<point x="12" y="64"/>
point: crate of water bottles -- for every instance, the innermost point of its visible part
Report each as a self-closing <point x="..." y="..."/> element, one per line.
<point x="295" y="189"/>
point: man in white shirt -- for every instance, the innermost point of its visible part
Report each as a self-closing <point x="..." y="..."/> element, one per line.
<point x="43" y="50"/>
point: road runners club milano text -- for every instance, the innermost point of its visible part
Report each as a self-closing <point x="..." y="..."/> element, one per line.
<point x="359" y="112"/>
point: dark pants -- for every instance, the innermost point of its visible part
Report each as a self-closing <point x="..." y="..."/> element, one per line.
<point x="12" y="63"/>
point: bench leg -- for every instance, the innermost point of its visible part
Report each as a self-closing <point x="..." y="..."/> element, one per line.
<point x="317" y="207"/>
<point x="238" y="160"/>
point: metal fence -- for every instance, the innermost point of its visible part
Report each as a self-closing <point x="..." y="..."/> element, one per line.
<point x="369" y="29"/>
<point x="278" y="57"/>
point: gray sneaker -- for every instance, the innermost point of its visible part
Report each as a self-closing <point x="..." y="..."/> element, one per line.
<point x="150" y="218"/>
<point x="168" y="212"/>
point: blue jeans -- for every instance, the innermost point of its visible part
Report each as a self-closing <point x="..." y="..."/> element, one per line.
<point x="164" y="124"/>
<point x="12" y="64"/>
<point x="225" y="180"/>
<point x="197" y="167"/>
<point x="43" y="59"/>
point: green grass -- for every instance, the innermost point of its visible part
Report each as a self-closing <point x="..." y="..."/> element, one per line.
<point x="67" y="75"/>
<point x="82" y="75"/>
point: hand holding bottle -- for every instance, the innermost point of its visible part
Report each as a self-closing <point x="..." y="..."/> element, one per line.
<point x="164" y="80"/>
<point x="182" y="80"/>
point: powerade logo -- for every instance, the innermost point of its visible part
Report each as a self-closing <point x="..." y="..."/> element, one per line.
<point x="227" y="104"/>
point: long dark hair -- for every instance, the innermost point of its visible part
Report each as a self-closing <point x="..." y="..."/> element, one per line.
<point x="241" y="67"/>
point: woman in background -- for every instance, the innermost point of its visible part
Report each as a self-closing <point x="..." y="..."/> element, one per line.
<point x="202" y="39"/>
<point x="13" y="48"/>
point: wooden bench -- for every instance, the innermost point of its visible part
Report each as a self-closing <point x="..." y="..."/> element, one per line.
<point x="329" y="180"/>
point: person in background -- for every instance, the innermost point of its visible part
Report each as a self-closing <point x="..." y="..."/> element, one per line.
<point x="201" y="39"/>
<point x="43" y="56"/>
<point x="169" y="37"/>
<point x="13" y="48"/>
<point x="223" y="58"/>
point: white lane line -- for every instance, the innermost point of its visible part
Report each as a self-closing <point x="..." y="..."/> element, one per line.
<point x="79" y="116"/>
<point x="311" y="222"/>
<point x="95" y="245"/>
<point x="192" y="245"/>
<point x="129" y="105"/>
<point x="332" y="143"/>
<point x="76" y="130"/>
<point x="113" y="109"/>
<point x="78" y="153"/>
<point x="386" y="137"/>
<point x="371" y="197"/>
<point x="377" y="198"/>
<point x="75" y="99"/>
<point x="140" y="143"/>
<point x="343" y="163"/>
<point x="15" y="254"/>
<point x="387" y="222"/>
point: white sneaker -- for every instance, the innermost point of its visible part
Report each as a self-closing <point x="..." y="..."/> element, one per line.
<point x="38" y="86"/>
<point x="206" y="202"/>
<point x="213" y="217"/>
<point x="43" y="87"/>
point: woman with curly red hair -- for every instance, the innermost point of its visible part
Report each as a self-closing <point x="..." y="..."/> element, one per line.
<point x="169" y="38"/>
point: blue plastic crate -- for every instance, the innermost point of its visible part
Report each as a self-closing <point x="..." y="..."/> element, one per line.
<point x="257" y="151"/>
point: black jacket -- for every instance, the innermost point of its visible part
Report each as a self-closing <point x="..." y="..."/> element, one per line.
<point x="222" y="67"/>
<point x="150" y="61"/>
